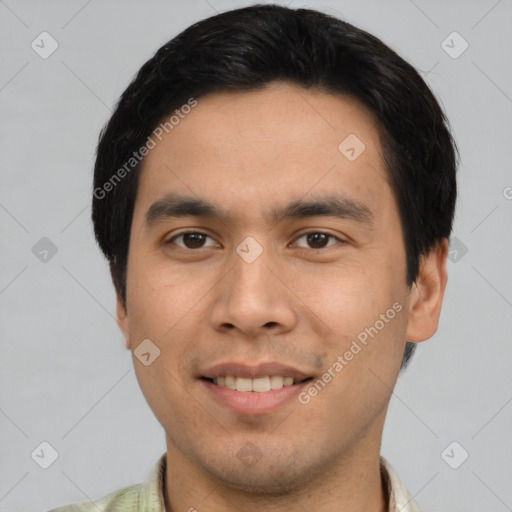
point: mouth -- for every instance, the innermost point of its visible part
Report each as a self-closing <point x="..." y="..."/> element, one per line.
<point x="253" y="390"/>
<point x="263" y="384"/>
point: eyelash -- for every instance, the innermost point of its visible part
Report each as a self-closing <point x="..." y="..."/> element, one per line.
<point x="330" y="236"/>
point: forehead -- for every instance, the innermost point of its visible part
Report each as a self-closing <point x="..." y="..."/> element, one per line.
<point x="278" y="143"/>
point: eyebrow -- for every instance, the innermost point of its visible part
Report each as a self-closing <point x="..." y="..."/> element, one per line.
<point x="333" y="205"/>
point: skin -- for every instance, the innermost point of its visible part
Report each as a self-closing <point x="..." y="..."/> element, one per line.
<point x="296" y="304"/>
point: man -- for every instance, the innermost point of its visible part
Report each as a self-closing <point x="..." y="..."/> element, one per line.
<point x="274" y="193"/>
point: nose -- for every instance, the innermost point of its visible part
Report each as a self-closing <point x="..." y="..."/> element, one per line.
<point x="253" y="300"/>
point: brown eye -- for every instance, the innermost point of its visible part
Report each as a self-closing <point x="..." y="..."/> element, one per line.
<point x="317" y="240"/>
<point x="190" y="240"/>
<point x="193" y="240"/>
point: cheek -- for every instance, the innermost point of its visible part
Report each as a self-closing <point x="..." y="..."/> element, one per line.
<point x="348" y="296"/>
<point x="160" y="297"/>
<point x="365" y="358"/>
<point x="170" y="399"/>
<point x="363" y="304"/>
<point x="163" y="307"/>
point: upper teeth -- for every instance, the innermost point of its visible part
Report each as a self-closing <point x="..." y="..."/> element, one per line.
<point x="260" y="385"/>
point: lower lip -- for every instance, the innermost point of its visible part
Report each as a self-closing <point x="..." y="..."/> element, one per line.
<point x="252" y="402"/>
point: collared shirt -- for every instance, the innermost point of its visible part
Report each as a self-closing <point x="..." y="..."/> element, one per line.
<point x="149" y="496"/>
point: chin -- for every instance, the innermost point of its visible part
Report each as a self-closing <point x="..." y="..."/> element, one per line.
<point x="276" y="474"/>
<point x="261" y="482"/>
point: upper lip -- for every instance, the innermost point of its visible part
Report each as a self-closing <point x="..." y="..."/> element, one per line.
<point x="266" y="369"/>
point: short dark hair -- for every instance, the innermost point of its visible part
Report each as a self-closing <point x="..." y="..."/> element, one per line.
<point x="245" y="49"/>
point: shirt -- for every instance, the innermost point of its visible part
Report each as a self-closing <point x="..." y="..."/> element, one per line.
<point x="149" y="496"/>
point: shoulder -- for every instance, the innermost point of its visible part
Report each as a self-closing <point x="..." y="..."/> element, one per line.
<point x="398" y="496"/>
<point x="125" y="500"/>
<point x="144" y="497"/>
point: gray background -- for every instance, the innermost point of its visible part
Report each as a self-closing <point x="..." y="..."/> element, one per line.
<point x="65" y="375"/>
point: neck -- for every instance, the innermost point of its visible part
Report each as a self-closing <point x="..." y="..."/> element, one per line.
<point x="353" y="483"/>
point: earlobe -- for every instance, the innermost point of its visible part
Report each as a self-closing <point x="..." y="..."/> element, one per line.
<point x="426" y="295"/>
<point x="121" y="308"/>
<point x="122" y="320"/>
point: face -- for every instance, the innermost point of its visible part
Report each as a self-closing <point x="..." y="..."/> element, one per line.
<point x="267" y="267"/>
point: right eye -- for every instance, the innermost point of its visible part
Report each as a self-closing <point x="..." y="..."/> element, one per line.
<point x="190" y="240"/>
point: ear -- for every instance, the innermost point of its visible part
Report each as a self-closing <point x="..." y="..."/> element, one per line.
<point x="121" y="310"/>
<point x="122" y="320"/>
<point x="426" y="294"/>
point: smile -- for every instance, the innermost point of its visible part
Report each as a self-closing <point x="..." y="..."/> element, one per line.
<point x="258" y="385"/>
<point x="253" y="389"/>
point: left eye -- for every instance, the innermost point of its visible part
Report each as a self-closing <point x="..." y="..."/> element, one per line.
<point x="318" y="239"/>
